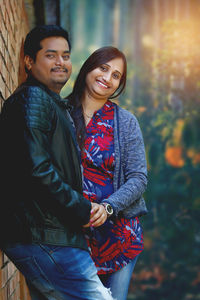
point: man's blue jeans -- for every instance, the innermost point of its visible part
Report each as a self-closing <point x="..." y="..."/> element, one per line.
<point x="58" y="273"/>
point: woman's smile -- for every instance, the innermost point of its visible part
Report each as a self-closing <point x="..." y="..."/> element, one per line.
<point x="102" y="84"/>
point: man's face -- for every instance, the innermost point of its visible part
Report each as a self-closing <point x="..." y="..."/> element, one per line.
<point x="52" y="66"/>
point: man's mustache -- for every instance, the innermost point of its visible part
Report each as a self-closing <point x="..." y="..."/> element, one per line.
<point x="60" y="69"/>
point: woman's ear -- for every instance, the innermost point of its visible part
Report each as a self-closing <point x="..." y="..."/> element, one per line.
<point x="28" y="61"/>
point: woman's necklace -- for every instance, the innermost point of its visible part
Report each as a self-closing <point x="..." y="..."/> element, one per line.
<point x="88" y="116"/>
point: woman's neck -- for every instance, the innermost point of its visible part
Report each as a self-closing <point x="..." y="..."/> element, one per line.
<point x="91" y="104"/>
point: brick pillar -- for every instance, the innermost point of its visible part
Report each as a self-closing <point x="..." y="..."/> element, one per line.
<point x="13" y="29"/>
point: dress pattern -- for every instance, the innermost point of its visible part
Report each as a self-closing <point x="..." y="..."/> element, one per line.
<point x="119" y="240"/>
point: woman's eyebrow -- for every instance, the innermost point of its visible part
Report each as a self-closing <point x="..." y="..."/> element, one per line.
<point x="110" y="66"/>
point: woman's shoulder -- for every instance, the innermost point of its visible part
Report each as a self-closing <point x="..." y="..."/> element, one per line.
<point x="124" y="115"/>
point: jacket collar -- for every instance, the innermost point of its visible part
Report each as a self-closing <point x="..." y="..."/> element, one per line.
<point x="32" y="81"/>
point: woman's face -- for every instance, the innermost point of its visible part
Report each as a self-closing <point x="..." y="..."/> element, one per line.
<point x="103" y="81"/>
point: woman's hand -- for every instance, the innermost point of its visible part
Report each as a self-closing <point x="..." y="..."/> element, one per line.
<point x="98" y="216"/>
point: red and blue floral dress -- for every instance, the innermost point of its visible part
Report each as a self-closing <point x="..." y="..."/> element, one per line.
<point x="119" y="240"/>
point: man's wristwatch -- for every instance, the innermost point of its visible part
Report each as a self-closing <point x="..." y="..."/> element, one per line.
<point x="108" y="209"/>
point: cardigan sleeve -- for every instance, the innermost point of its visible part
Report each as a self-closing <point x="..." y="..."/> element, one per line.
<point x="133" y="166"/>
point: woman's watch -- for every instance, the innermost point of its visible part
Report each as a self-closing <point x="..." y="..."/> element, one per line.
<point x="108" y="209"/>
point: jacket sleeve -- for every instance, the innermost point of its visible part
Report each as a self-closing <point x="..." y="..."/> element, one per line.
<point x="133" y="170"/>
<point x="38" y="116"/>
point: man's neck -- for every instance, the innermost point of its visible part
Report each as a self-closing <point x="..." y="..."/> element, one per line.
<point x="35" y="81"/>
<point x="31" y="80"/>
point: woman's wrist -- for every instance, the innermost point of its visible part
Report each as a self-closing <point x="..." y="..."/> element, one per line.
<point x="108" y="209"/>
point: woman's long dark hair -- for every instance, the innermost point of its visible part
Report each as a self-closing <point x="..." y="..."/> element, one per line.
<point x="96" y="59"/>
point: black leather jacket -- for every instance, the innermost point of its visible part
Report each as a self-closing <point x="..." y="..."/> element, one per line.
<point x="41" y="185"/>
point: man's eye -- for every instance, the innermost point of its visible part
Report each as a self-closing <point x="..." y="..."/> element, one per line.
<point x="66" y="57"/>
<point x="50" y="55"/>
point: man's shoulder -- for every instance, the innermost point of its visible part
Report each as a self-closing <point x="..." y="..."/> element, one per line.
<point x="32" y="92"/>
<point x="31" y="96"/>
<point x="34" y="103"/>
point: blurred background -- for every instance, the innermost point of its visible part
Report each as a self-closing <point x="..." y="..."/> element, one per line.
<point x="161" y="40"/>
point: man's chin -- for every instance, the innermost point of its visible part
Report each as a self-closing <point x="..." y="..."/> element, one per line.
<point x="60" y="82"/>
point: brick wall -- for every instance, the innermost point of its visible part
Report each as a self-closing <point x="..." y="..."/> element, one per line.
<point x="13" y="29"/>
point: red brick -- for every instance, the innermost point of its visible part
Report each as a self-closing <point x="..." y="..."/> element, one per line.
<point x="14" y="4"/>
<point x="1" y="259"/>
<point x="7" y="92"/>
<point x="3" y="293"/>
<point x="6" y="57"/>
<point x="11" y="269"/>
<point x="2" y="47"/>
<point x="4" y="32"/>
<point x="5" y="258"/>
<point x="3" y="9"/>
<point x="2" y="87"/>
<point x="12" y="22"/>
<point x="1" y="281"/>
<point x="16" y="293"/>
<point x="1" y="18"/>
<point x="7" y="5"/>
<point x="24" y="292"/>
<point x="12" y="284"/>
<point x="3" y="70"/>
<point x="6" y="20"/>
<point x="4" y="276"/>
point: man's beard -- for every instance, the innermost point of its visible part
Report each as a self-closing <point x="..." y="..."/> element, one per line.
<point x="61" y="81"/>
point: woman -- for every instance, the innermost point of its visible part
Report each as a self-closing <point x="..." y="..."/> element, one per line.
<point x="114" y="167"/>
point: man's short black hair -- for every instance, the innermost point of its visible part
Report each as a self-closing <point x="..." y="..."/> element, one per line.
<point x="39" y="33"/>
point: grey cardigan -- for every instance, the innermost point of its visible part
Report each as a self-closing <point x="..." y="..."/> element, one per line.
<point x="130" y="174"/>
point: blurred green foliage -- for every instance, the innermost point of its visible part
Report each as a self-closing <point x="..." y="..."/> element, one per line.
<point x="169" y="115"/>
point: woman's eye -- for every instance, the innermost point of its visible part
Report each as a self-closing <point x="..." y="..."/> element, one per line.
<point x="116" y="76"/>
<point x="103" y="68"/>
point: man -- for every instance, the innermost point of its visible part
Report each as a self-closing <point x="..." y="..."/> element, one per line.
<point x="42" y="207"/>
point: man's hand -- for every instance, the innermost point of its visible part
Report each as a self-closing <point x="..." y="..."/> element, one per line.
<point x="98" y="216"/>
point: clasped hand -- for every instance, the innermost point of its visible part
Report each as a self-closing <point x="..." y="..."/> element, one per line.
<point x="98" y="216"/>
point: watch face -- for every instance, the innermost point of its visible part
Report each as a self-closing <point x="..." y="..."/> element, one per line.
<point x="109" y="209"/>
